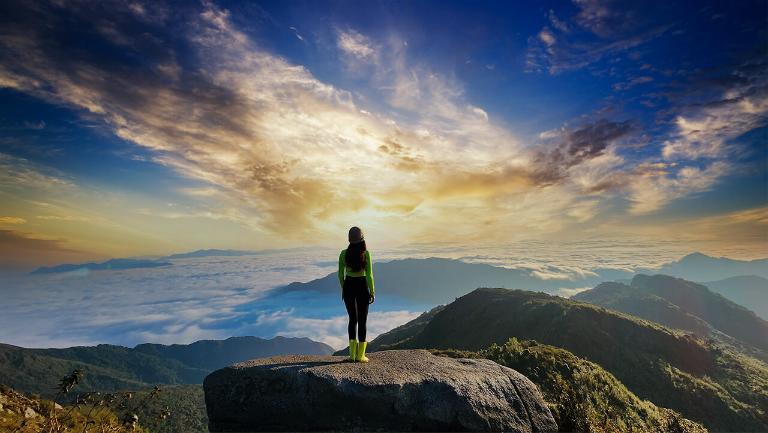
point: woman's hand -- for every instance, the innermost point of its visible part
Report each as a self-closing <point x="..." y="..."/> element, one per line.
<point x="371" y="299"/>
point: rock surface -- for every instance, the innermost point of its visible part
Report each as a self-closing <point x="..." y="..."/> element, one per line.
<point x="398" y="390"/>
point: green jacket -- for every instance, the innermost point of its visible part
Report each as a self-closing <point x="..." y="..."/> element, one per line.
<point x="367" y="272"/>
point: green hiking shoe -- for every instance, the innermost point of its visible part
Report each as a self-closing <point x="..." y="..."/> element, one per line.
<point x="361" y="352"/>
<point x="352" y="350"/>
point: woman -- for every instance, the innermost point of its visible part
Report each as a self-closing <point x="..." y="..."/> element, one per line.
<point x="356" y="280"/>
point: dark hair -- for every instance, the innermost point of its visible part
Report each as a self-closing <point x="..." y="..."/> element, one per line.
<point x="355" y="256"/>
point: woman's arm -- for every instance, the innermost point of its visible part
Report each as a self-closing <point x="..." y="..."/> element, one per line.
<point x="342" y="266"/>
<point x="369" y="273"/>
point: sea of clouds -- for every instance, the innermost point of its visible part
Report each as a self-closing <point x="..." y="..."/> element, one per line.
<point x="219" y="297"/>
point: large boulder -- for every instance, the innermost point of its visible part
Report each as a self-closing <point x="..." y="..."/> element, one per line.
<point x="398" y="390"/>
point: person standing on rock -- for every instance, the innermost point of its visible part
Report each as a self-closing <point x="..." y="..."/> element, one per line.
<point x="357" y="291"/>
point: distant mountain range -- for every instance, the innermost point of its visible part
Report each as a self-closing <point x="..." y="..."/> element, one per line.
<point x="434" y="280"/>
<point x="701" y="267"/>
<point x="438" y="280"/>
<point x="681" y="304"/>
<point x="750" y="291"/>
<point x="236" y="253"/>
<point x="109" y="368"/>
<point x="721" y="388"/>
<point x="109" y="265"/>
<point x="118" y="264"/>
<point x="211" y="253"/>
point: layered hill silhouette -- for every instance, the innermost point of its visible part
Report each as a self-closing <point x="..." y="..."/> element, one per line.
<point x="111" y="368"/>
<point x="212" y="252"/>
<point x="109" y="265"/>
<point x="750" y="291"/>
<point x="722" y="389"/>
<point x="681" y="304"/>
<point x="701" y="267"/>
<point x="434" y="280"/>
<point x="439" y="280"/>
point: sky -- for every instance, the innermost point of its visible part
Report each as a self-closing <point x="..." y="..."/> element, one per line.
<point x="146" y="128"/>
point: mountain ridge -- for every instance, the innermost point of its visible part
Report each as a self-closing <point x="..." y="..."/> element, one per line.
<point x="669" y="368"/>
<point x="110" y="367"/>
<point x="108" y="265"/>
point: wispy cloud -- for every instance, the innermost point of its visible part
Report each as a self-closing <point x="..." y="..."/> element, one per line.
<point x="599" y="28"/>
<point x="296" y="32"/>
<point x="266" y="131"/>
<point x="356" y="45"/>
<point x="9" y="220"/>
<point x="272" y="144"/>
<point x="652" y="189"/>
<point x="740" y="105"/>
<point x="16" y="173"/>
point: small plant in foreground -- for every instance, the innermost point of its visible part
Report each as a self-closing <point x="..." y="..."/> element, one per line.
<point x="89" y="412"/>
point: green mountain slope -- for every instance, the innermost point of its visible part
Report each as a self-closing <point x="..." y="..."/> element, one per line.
<point x="582" y="395"/>
<point x="30" y="371"/>
<point x="130" y="363"/>
<point x="721" y="389"/>
<point x="696" y="299"/>
<point x="647" y="304"/>
<point x="621" y="297"/>
<point x="111" y="368"/>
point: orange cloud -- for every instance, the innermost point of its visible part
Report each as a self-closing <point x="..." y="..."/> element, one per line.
<point x="24" y="250"/>
<point x="9" y="220"/>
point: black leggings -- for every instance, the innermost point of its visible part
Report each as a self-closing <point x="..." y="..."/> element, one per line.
<point x="355" y="295"/>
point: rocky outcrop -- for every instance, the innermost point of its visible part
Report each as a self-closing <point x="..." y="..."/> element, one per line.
<point x="398" y="390"/>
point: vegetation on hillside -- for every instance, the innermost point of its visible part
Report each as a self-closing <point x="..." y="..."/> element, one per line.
<point x="186" y="404"/>
<point x="716" y="386"/>
<point x="107" y="369"/>
<point x="684" y="305"/>
<point x="112" y="368"/>
<point x="581" y="395"/>
<point x="90" y="411"/>
<point x="627" y="299"/>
